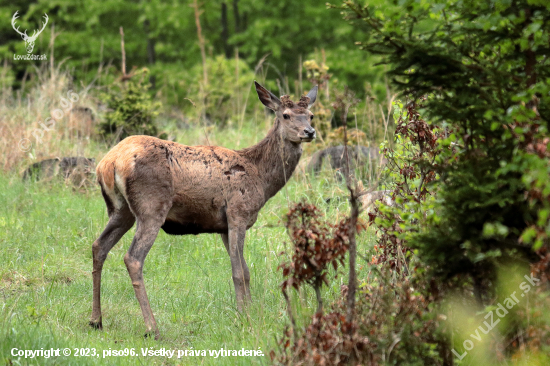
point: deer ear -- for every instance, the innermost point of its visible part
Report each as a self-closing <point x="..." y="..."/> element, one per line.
<point x="267" y="98"/>
<point x="312" y="96"/>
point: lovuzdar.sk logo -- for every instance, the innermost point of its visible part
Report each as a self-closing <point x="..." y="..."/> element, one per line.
<point x="29" y="40"/>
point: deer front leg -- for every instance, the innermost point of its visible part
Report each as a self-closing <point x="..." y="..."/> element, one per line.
<point x="234" y="242"/>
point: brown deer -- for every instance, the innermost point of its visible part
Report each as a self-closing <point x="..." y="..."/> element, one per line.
<point x="195" y="189"/>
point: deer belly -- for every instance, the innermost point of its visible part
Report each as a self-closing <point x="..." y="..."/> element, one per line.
<point x="192" y="220"/>
<point x="177" y="228"/>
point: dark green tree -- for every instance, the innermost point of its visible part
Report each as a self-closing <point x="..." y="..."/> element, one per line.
<point x="162" y="36"/>
<point x="484" y="71"/>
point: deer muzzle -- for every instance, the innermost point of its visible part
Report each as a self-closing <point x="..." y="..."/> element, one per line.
<point x="308" y="134"/>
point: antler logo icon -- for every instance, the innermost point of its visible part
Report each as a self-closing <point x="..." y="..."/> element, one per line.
<point x="29" y="41"/>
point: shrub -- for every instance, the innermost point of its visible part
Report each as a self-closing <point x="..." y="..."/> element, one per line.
<point x="482" y="66"/>
<point x="131" y="110"/>
<point x="318" y="245"/>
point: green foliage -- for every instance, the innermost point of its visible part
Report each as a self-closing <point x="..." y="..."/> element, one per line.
<point x="482" y="64"/>
<point x="479" y="70"/>
<point x="224" y="94"/>
<point x="131" y="110"/>
<point x="87" y="35"/>
<point x="409" y="170"/>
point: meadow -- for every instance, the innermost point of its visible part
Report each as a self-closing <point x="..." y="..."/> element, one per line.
<point x="47" y="229"/>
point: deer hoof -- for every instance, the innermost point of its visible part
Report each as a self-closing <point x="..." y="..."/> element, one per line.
<point x="96" y="325"/>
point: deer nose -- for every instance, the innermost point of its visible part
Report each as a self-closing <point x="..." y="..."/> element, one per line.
<point x="310" y="132"/>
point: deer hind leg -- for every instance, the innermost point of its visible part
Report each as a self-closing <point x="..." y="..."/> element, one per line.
<point x="120" y="222"/>
<point x="147" y="230"/>
<point x="234" y="242"/>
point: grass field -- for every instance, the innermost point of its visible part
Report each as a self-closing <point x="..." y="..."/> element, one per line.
<point x="46" y="233"/>
<point x="47" y="230"/>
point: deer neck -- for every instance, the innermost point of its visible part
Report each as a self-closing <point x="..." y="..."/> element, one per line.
<point x="276" y="159"/>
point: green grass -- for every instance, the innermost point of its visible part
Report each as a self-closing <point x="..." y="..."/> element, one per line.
<point x="46" y="233"/>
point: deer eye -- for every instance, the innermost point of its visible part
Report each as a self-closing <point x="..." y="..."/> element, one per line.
<point x="286" y="116"/>
<point x="311" y="117"/>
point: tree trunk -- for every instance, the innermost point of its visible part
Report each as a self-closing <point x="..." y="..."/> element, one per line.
<point x="352" y="281"/>
<point x="123" y="51"/>
<point x="201" y="41"/>
<point x="317" y="287"/>
<point x="354" y="215"/>
<point x="290" y="315"/>
<point x="245" y="21"/>
<point x="237" y="16"/>
<point x="225" y="31"/>
<point x="151" y="57"/>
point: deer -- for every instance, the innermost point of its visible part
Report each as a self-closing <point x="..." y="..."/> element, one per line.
<point x="29" y="40"/>
<point x="185" y="190"/>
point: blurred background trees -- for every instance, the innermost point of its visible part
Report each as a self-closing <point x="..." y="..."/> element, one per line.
<point x="162" y="35"/>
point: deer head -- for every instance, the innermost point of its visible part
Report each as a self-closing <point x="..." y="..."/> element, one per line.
<point x="29" y="41"/>
<point x="295" y="117"/>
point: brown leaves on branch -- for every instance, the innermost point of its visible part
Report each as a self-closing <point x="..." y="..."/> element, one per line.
<point x="392" y="319"/>
<point x="318" y="245"/>
<point x="414" y="128"/>
<point x="328" y="340"/>
<point x="418" y="163"/>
